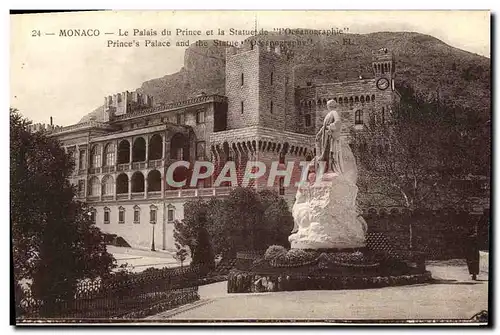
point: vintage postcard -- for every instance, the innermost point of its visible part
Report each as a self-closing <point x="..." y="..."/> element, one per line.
<point x="301" y="167"/>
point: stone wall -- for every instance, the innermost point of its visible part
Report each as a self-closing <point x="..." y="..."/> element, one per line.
<point x="246" y="91"/>
<point x="361" y="95"/>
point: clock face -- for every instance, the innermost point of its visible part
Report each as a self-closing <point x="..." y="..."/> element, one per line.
<point x="382" y="83"/>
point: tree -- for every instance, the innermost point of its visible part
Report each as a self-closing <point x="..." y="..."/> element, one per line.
<point x="181" y="254"/>
<point x="55" y="244"/>
<point x="412" y="154"/>
<point x="192" y="232"/>
<point x="277" y="222"/>
<point x="248" y="220"/>
<point x="235" y="221"/>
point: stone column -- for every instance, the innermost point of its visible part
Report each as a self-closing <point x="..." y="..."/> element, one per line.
<point x="147" y="149"/>
<point x="146" y="186"/>
<point x="77" y="159"/>
<point x="102" y="154"/>
<point x="163" y="147"/>
<point x="85" y="183"/>
<point x="166" y="154"/>
<point x="130" y="187"/>
<point x="116" y="154"/>
<point x="100" y="190"/>
<point x="162" y="186"/>
<point x="87" y="157"/>
<point x="130" y="150"/>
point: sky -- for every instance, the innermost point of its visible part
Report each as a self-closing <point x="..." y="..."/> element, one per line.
<point x="68" y="77"/>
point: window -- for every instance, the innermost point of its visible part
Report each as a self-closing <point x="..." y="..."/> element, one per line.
<point x="95" y="156"/>
<point x="82" y="160"/>
<point x="119" y="97"/>
<point x="170" y="215"/>
<point x="308" y="114"/>
<point x="282" y="187"/>
<point x="179" y="118"/>
<point x="271" y="107"/>
<point x="242" y="79"/>
<point x="93" y="215"/>
<point x="108" y="186"/>
<point x="109" y="155"/>
<point x="200" y="150"/>
<point x="308" y="120"/>
<point x="137" y="214"/>
<point x="383" y="115"/>
<point x="242" y="107"/>
<point x="358" y="117"/>
<point x="373" y="97"/>
<point x="200" y="116"/>
<point x="121" y="215"/>
<point x="272" y="78"/>
<point x="106" y="215"/>
<point x="81" y="188"/>
<point x="152" y="214"/>
<point x="95" y="187"/>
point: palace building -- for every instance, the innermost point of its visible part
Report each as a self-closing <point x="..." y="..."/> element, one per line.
<point x="123" y="150"/>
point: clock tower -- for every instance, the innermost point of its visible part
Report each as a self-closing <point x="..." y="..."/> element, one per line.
<point x="383" y="68"/>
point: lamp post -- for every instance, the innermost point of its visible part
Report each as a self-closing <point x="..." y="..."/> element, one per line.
<point x="153" y="239"/>
<point x="167" y="219"/>
<point x="152" y="220"/>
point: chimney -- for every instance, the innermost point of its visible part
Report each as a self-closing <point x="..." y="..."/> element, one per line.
<point x="51" y="120"/>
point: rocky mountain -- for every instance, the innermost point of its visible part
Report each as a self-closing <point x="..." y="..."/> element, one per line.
<point x="423" y="62"/>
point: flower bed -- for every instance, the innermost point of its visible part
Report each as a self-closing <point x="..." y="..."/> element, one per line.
<point x="245" y="281"/>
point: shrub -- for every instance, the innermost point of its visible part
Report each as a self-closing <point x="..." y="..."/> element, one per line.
<point x="298" y="256"/>
<point x="275" y="252"/>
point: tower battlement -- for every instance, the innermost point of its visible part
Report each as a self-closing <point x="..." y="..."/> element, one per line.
<point x="382" y="54"/>
<point x="44" y="127"/>
<point x="125" y="102"/>
<point x="383" y="63"/>
<point x="257" y="46"/>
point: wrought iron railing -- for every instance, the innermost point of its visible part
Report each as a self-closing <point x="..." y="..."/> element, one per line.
<point x="108" y="169"/>
<point x="155" y="163"/>
<point x="123" y="167"/>
<point x="137" y="195"/>
<point x="93" y="170"/>
<point x="154" y="194"/>
<point x="138" y="165"/>
<point x="131" y="296"/>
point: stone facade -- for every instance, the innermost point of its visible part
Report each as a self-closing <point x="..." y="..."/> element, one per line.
<point x="122" y="156"/>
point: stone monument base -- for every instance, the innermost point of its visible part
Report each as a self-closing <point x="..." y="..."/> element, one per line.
<point x="324" y="270"/>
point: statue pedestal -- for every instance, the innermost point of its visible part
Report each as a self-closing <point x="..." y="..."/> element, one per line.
<point x="326" y="217"/>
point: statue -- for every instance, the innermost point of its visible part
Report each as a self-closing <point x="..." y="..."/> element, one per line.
<point x="325" y="212"/>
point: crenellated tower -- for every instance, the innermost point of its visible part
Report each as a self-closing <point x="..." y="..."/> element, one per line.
<point x="384" y="69"/>
<point x="125" y="102"/>
<point x="259" y="87"/>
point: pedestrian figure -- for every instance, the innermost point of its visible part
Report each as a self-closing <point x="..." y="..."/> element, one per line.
<point x="472" y="255"/>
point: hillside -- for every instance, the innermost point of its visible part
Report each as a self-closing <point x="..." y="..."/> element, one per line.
<point x="423" y="62"/>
